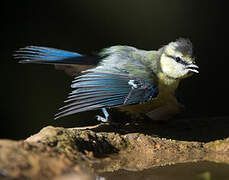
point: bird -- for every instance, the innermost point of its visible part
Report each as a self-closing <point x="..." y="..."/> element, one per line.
<point x="138" y="82"/>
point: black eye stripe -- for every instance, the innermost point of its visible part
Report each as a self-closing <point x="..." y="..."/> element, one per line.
<point x="178" y="59"/>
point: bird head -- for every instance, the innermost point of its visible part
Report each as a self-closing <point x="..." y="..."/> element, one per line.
<point x="176" y="60"/>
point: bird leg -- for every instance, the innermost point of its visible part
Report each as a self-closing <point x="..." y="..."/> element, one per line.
<point x="103" y="119"/>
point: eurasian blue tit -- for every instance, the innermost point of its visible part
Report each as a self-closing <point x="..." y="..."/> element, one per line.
<point x="136" y="81"/>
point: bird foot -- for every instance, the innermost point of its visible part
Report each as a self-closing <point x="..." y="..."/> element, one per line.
<point x="101" y="119"/>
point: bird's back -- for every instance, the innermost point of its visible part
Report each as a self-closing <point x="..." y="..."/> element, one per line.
<point x="138" y="63"/>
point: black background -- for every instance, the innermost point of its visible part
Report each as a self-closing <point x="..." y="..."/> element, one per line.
<point x="31" y="94"/>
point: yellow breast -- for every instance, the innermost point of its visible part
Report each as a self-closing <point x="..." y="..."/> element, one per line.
<point x="166" y="89"/>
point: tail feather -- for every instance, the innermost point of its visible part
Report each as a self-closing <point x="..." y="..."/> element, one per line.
<point x="40" y="55"/>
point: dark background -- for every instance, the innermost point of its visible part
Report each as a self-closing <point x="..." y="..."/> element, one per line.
<point x="31" y="94"/>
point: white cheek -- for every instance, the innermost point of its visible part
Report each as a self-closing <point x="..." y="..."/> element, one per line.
<point x="172" y="69"/>
<point x="180" y="71"/>
<point x="167" y="68"/>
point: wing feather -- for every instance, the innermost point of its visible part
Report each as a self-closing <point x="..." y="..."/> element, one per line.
<point x="112" y="88"/>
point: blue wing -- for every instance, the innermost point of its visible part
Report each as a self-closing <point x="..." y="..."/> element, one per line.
<point x="106" y="89"/>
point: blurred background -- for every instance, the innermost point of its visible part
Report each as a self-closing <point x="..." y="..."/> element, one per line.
<point x="31" y="94"/>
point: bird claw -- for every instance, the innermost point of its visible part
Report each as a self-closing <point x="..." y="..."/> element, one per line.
<point x="101" y="119"/>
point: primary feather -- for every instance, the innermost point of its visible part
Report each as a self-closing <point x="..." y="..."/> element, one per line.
<point x="96" y="90"/>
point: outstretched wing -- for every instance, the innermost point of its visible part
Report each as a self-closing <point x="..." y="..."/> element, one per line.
<point x="106" y="89"/>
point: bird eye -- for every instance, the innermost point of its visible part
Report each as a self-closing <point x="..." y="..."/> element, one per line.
<point x="178" y="59"/>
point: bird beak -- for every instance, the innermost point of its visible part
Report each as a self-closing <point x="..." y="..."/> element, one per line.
<point x="193" y="68"/>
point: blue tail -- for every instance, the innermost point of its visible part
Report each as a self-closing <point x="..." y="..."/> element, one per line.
<point x="37" y="54"/>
